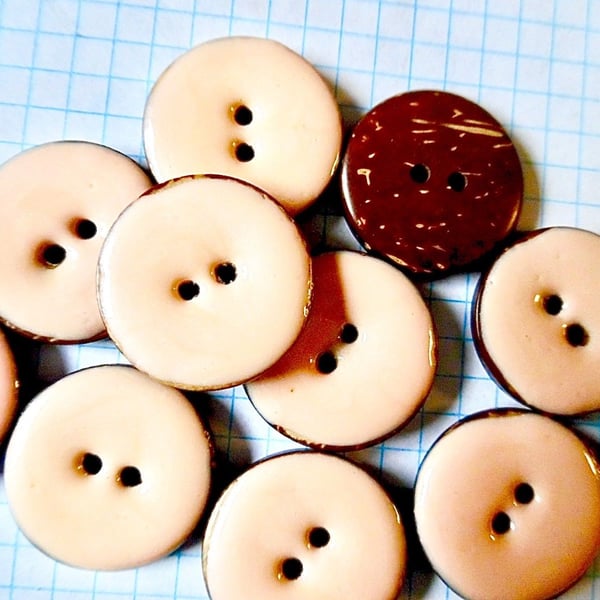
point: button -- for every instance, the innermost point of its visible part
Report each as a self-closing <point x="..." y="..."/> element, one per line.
<point x="8" y="386"/>
<point x="249" y="108"/>
<point x="58" y="201"/>
<point x="204" y="282"/>
<point x="431" y="181"/>
<point x="304" y="525"/>
<point x="361" y="367"/>
<point x="536" y="320"/>
<point x="507" y="506"/>
<point x="108" y="469"/>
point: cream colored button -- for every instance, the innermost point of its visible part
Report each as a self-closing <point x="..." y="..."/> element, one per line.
<point x="108" y="469"/>
<point x="304" y="525"/>
<point x="204" y="282"/>
<point x="363" y="364"/>
<point x="57" y="202"/>
<point x="507" y="506"/>
<point x="8" y="386"/>
<point x="537" y="320"/>
<point x="249" y="108"/>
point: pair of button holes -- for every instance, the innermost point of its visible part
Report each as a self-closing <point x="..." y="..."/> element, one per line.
<point x="291" y="568"/>
<point x="51" y="255"/>
<point x="326" y="361"/>
<point x="420" y="173"/>
<point x="91" y="464"/>
<point x="501" y="522"/>
<point x="243" y="116"/>
<point x="575" y="334"/>
<point x="224" y="273"/>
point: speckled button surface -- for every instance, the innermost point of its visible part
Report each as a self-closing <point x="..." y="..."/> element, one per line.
<point x="108" y="469"/>
<point x="249" y="108"/>
<point x="431" y="181"/>
<point x="362" y="365"/>
<point x="8" y="386"/>
<point x="57" y="202"/>
<point x="507" y="506"/>
<point x="536" y="320"/>
<point x="304" y="525"/>
<point x="204" y="282"/>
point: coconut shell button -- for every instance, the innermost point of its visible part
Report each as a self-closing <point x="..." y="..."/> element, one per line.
<point x="431" y="181"/>
<point x="536" y="320"/>
<point x="507" y="506"/>
<point x="57" y="203"/>
<point x="108" y="469"/>
<point x="246" y="107"/>
<point x="204" y="282"/>
<point x="362" y="365"/>
<point x="8" y="386"/>
<point x="304" y="525"/>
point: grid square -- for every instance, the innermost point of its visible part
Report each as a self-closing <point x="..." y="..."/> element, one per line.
<point x="215" y="7"/>
<point x="162" y="578"/>
<point x="59" y="16"/>
<point x="70" y="578"/>
<point x="255" y="10"/>
<point x="535" y="39"/>
<point x="97" y="19"/>
<point x="44" y="125"/>
<point x="49" y="89"/>
<point x="135" y="24"/>
<point x="18" y="90"/>
<point x="123" y="133"/>
<point x="569" y="12"/>
<point x="589" y="187"/>
<point x="428" y="63"/>
<point x="569" y="44"/>
<point x="464" y="66"/>
<point x="54" y="52"/>
<point x="131" y="61"/>
<point x="431" y="26"/>
<point x="83" y="126"/>
<point x="126" y="97"/>
<point x="360" y="17"/>
<point x="562" y="150"/>
<point x="292" y="37"/>
<point x="291" y="12"/>
<point x="567" y="79"/>
<point x="564" y="113"/>
<point x="16" y="48"/>
<point x="173" y="29"/>
<point x="533" y="74"/>
<point x="558" y="213"/>
<point x="357" y="52"/>
<point x="393" y="57"/>
<point x="161" y="57"/>
<point x="501" y="35"/>
<point x="249" y="27"/>
<point x="88" y="93"/>
<point x="530" y="110"/>
<point x="466" y="30"/>
<point x="327" y="15"/>
<point x="33" y="569"/>
<point x="396" y="21"/>
<point x="208" y="27"/>
<point x="589" y="157"/>
<point x="92" y="56"/>
<point x="534" y="10"/>
<point x="321" y="47"/>
<point x="114" y="582"/>
<point x="559" y="184"/>
<point x="20" y="15"/>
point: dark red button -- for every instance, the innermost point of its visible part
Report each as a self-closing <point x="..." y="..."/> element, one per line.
<point x="431" y="181"/>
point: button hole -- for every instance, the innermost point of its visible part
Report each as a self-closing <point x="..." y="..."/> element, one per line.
<point x="419" y="173"/>
<point x="326" y="362"/>
<point x="242" y="115"/>
<point x="576" y="335"/>
<point x="457" y="181"/>
<point x="85" y="229"/>
<point x="129" y="477"/>
<point x="51" y="255"/>
<point x="318" y="537"/>
<point x="501" y="523"/>
<point x="524" y="493"/>
<point x="90" y="464"/>
<point x="349" y="333"/>
<point x="291" y="569"/>
<point x="244" y="152"/>
<point x="551" y="303"/>
<point x="187" y="289"/>
<point x="225" y="273"/>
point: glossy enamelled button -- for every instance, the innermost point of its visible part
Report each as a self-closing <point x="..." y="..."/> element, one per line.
<point x="204" y="282"/>
<point x="304" y="525"/>
<point x="507" y="506"/>
<point x="57" y="203"/>
<point x="362" y="365"/>
<point x="108" y="469"/>
<point x="431" y="181"/>
<point x="536" y="320"/>
<point x="249" y="108"/>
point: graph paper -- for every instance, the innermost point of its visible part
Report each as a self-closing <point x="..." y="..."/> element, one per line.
<point x="83" y="70"/>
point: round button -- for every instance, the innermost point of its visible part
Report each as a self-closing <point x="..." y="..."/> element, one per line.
<point x="361" y="366"/>
<point x="536" y="320"/>
<point x="507" y="506"/>
<point x="431" y="181"/>
<point x="249" y="108"/>
<point x="58" y="201"/>
<point x="8" y="386"/>
<point x="204" y="282"/>
<point x="108" y="469"/>
<point x="304" y="525"/>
